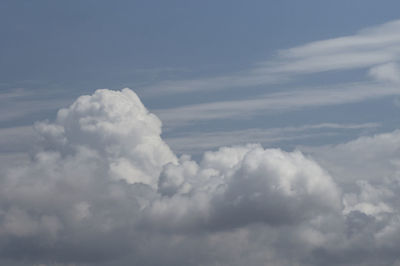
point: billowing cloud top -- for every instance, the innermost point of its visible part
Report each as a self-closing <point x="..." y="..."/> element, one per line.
<point x="118" y="128"/>
<point x="103" y="188"/>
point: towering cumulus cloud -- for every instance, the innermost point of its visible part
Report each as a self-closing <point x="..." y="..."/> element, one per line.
<point x="116" y="127"/>
<point x="103" y="188"/>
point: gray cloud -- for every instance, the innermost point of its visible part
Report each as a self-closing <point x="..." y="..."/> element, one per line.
<point x="102" y="188"/>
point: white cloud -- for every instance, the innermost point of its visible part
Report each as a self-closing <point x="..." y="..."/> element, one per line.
<point x="347" y="161"/>
<point x="104" y="189"/>
<point x="244" y="185"/>
<point x="366" y="48"/>
<point x="117" y="127"/>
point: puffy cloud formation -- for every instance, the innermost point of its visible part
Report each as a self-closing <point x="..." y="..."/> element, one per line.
<point x="102" y="188"/>
<point x="237" y="186"/>
<point x="116" y="127"/>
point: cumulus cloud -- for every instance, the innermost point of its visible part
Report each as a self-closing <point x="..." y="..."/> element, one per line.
<point x="237" y="186"/>
<point x="116" y="127"/>
<point x="102" y="188"/>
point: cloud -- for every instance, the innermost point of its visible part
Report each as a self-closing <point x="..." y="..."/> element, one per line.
<point x="16" y="139"/>
<point x="373" y="51"/>
<point x="389" y="72"/>
<point x="365" y="49"/>
<point x="115" y="126"/>
<point x="102" y="188"/>
<point x="194" y="142"/>
<point x="275" y="102"/>
<point x="367" y="171"/>
<point x="19" y="104"/>
<point x="364" y="67"/>
<point x="237" y="186"/>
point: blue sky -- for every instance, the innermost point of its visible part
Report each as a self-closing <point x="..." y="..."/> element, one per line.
<point x="79" y="44"/>
<point x="56" y="51"/>
<point x="199" y="132"/>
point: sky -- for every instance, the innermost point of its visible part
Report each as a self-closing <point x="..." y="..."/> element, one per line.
<point x="199" y="132"/>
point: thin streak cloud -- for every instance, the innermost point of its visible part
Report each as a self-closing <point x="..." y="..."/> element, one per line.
<point x="276" y="102"/>
<point x="199" y="142"/>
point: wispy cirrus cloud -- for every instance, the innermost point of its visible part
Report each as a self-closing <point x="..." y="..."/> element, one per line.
<point x="376" y="49"/>
<point x="276" y="102"/>
<point x="19" y="103"/>
<point x="200" y="141"/>
<point x="365" y="49"/>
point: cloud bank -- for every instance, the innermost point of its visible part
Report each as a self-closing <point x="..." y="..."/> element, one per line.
<point x="102" y="188"/>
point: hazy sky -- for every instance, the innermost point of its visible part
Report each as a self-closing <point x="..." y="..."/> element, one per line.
<point x="199" y="132"/>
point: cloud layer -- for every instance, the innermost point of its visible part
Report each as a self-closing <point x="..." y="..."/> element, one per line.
<point x="102" y="188"/>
